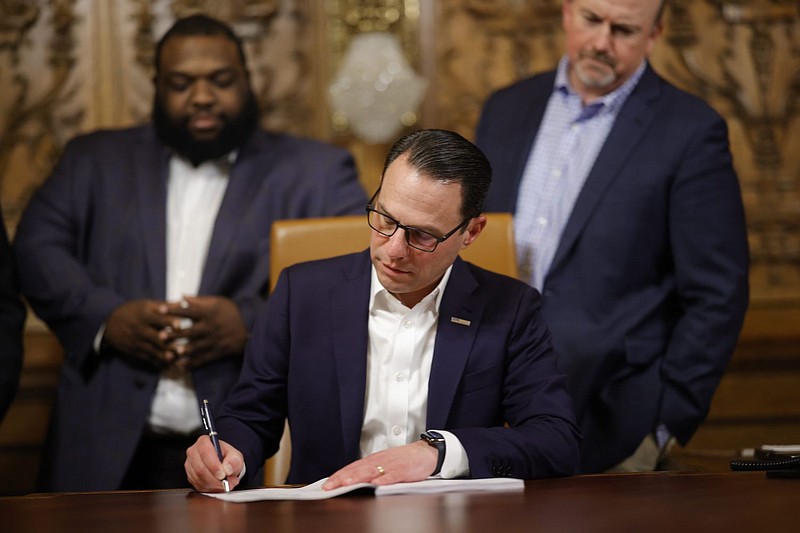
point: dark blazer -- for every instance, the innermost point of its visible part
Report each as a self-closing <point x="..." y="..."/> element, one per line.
<point x="648" y="288"/>
<point x="93" y="237"/>
<point x="12" y="320"/>
<point x="307" y="359"/>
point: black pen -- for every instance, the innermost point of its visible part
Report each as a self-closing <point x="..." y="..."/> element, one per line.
<point x="208" y="422"/>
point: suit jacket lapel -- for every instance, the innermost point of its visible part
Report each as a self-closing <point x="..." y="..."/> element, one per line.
<point x="246" y="177"/>
<point x="453" y="342"/>
<point x="349" y="307"/>
<point x="531" y="111"/>
<point x="150" y="172"/>
<point x="634" y="117"/>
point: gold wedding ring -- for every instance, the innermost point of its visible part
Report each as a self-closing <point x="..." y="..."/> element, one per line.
<point x="380" y="470"/>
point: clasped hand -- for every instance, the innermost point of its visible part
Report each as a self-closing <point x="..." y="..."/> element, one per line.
<point x="186" y="334"/>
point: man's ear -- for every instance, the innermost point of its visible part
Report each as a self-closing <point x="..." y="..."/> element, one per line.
<point x="474" y="228"/>
<point x="658" y="29"/>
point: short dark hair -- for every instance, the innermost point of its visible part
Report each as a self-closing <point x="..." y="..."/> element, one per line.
<point x="448" y="157"/>
<point x="199" y="25"/>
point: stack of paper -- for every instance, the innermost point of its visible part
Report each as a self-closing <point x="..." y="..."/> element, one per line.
<point x="429" y="486"/>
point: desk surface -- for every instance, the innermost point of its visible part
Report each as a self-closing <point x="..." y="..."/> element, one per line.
<point x="674" y="502"/>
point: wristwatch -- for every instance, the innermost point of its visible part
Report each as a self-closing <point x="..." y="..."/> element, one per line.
<point x="436" y="440"/>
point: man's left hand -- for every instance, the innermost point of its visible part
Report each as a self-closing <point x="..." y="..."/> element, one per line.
<point x="412" y="462"/>
<point x="216" y="329"/>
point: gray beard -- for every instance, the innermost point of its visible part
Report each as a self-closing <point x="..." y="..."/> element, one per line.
<point x="593" y="81"/>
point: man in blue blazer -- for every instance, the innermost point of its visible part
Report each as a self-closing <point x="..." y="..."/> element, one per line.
<point x="147" y="253"/>
<point x="404" y="361"/>
<point x="629" y="219"/>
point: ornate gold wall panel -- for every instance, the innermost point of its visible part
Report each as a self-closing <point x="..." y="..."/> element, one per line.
<point x="37" y="93"/>
<point x="483" y="45"/>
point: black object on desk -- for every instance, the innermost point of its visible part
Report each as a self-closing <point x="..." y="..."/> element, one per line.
<point x="783" y="462"/>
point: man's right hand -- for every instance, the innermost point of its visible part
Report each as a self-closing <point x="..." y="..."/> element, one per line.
<point x="204" y="470"/>
<point x="133" y="329"/>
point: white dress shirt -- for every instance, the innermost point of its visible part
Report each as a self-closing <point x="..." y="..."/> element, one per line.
<point x="193" y="199"/>
<point x="399" y="357"/>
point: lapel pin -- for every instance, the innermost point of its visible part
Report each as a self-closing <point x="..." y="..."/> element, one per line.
<point x="460" y="321"/>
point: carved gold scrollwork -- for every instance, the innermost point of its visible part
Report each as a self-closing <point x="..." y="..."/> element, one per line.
<point x="372" y="15"/>
<point x="31" y="129"/>
<point x="143" y="41"/>
<point x="234" y="11"/>
<point x="487" y="44"/>
<point x="346" y="18"/>
<point x="17" y="18"/>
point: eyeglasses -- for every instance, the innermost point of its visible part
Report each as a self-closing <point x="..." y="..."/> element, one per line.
<point x="416" y="238"/>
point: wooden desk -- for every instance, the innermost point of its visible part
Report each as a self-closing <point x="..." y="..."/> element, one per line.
<point x="674" y="502"/>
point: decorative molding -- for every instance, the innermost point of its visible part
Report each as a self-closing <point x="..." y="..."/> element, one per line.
<point x="346" y="18"/>
<point x="487" y="44"/>
<point x="37" y="55"/>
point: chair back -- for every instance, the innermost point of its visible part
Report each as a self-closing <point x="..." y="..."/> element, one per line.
<point x="306" y="239"/>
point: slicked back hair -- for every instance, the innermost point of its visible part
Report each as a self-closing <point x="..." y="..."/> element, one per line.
<point x="447" y="157"/>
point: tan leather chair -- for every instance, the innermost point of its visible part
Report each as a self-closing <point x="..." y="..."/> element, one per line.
<point x="295" y="241"/>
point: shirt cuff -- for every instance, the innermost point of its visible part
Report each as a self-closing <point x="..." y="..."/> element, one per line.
<point x="663" y="436"/>
<point x="456" y="462"/>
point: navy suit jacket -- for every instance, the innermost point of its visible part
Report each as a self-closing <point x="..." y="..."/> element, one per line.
<point x="94" y="237"/>
<point x="647" y="291"/>
<point x="307" y="359"/>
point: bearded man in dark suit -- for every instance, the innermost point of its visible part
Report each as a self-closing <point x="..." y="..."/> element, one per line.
<point x="147" y="253"/>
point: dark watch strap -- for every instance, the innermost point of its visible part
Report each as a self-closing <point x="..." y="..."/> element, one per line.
<point x="435" y="439"/>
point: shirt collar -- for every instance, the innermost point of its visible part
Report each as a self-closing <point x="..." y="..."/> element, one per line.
<point x="435" y="295"/>
<point x="222" y="163"/>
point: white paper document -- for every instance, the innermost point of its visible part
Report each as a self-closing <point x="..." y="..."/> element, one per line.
<point x="429" y="486"/>
<point x="782" y="448"/>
